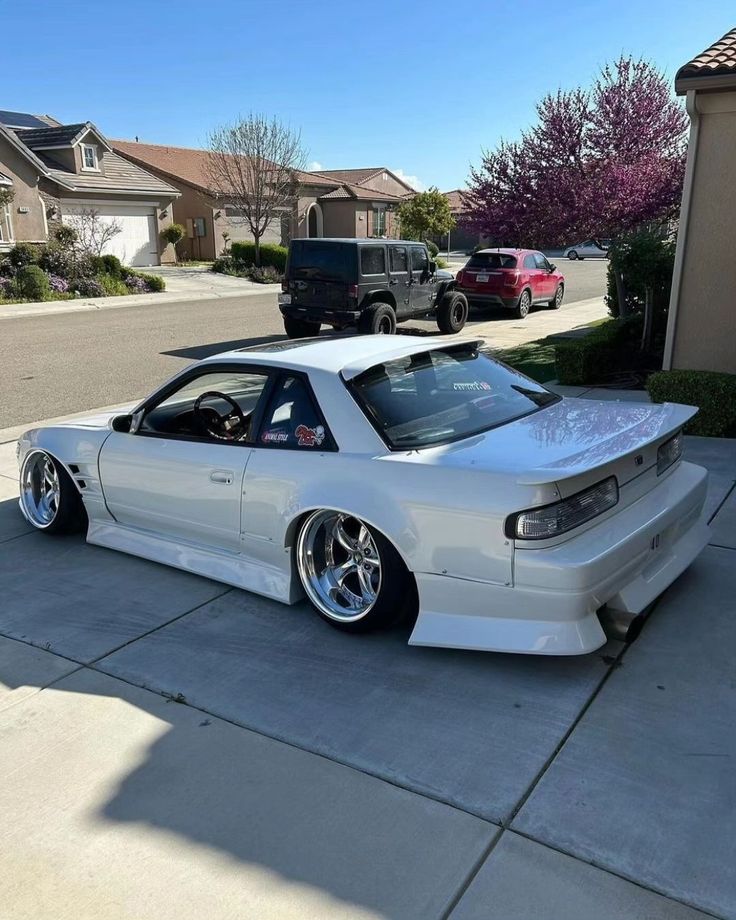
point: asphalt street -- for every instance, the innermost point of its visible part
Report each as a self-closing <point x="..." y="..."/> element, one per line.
<point x="55" y="364"/>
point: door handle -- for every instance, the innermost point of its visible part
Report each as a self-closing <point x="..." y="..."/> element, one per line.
<point x="224" y="476"/>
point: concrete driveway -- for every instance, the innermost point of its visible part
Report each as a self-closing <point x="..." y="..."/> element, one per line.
<point x="173" y="748"/>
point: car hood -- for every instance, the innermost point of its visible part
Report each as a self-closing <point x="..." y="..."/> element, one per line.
<point x="569" y="438"/>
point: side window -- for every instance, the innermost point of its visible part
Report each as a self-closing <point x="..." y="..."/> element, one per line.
<point x="419" y="259"/>
<point x="292" y="418"/>
<point x="530" y="262"/>
<point x="399" y="259"/>
<point x="541" y="261"/>
<point x="215" y="418"/>
<point x="373" y="260"/>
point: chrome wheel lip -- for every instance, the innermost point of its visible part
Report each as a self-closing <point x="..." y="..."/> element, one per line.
<point x="40" y="489"/>
<point x="345" y="557"/>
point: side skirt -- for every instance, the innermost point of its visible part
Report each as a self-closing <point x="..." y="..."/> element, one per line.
<point x="230" y="568"/>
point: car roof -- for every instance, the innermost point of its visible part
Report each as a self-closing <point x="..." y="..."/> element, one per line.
<point x="346" y="355"/>
<point x="505" y="252"/>
<point x="357" y="241"/>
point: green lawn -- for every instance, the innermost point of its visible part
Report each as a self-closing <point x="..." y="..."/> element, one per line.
<point x="535" y="359"/>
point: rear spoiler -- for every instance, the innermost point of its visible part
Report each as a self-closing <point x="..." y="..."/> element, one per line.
<point x="669" y="419"/>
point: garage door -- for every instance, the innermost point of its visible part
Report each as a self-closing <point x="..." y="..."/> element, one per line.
<point x="130" y="230"/>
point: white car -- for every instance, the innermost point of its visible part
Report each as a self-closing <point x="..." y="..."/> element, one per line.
<point x="381" y="475"/>
<point x="588" y="249"/>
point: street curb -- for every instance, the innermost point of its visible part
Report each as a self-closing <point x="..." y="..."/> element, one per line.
<point x="46" y="308"/>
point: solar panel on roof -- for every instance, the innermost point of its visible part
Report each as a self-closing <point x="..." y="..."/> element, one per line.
<point x="20" y="120"/>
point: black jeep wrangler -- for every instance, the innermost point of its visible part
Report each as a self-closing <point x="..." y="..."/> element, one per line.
<point x="371" y="284"/>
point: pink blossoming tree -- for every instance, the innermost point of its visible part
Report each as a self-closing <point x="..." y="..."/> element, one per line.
<point x="597" y="163"/>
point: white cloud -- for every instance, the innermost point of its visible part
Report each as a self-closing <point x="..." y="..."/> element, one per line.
<point x="314" y="166"/>
<point x="414" y="181"/>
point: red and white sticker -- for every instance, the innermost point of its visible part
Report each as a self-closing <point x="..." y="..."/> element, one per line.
<point x="309" y="437"/>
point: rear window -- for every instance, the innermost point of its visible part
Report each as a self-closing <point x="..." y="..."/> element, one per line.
<point x="322" y="261"/>
<point x="373" y="260"/>
<point x="491" y="260"/>
<point x="443" y="395"/>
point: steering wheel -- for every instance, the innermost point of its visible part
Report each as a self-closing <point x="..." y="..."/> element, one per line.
<point x="230" y="427"/>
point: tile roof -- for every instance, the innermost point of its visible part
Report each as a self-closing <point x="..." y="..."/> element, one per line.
<point x="119" y="175"/>
<point x="60" y="135"/>
<point x="347" y="190"/>
<point x="455" y="200"/>
<point x="185" y="163"/>
<point x="714" y="65"/>
<point x="355" y="176"/>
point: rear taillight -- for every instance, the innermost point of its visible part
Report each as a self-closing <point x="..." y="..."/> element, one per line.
<point x="553" y="520"/>
<point x="352" y="290"/>
<point x="284" y="285"/>
<point x="459" y="276"/>
<point x="669" y="453"/>
<point x="511" y="278"/>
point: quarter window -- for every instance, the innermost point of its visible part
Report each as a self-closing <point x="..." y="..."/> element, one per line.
<point x="541" y="262"/>
<point x="292" y="419"/>
<point x="89" y="156"/>
<point x="373" y="260"/>
<point x="399" y="259"/>
<point x="530" y="261"/>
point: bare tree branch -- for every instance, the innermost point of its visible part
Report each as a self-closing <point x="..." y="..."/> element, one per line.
<point x="253" y="165"/>
<point x="94" y="231"/>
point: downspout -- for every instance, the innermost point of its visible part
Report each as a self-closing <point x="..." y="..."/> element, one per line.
<point x="687" y="191"/>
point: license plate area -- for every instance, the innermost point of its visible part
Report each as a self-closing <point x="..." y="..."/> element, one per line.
<point x="482" y="278"/>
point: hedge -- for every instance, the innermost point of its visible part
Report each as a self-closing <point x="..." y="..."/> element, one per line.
<point x="714" y="394"/>
<point x="605" y="350"/>
<point x="32" y="282"/>
<point x="271" y="254"/>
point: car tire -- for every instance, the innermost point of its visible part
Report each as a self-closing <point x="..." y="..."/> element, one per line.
<point x="524" y="305"/>
<point x="338" y="555"/>
<point x="556" y="301"/>
<point x="572" y="255"/>
<point x="378" y="319"/>
<point x="452" y="312"/>
<point x="300" y="328"/>
<point x="49" y="498"/>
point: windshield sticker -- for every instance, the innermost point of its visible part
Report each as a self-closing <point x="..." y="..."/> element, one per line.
<point x="473" y="385"/>
<point x="275" y="436"/>
<point x="309" y="437"/>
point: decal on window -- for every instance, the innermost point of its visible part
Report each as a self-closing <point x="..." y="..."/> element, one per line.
<point x="474" y="385"/>
<point x="309" y="437"/>
<point x="275" y="436"/>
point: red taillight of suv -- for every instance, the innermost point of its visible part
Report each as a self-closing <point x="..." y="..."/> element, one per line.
<point x="510" y="278"/>
<point x="459" y="276"/>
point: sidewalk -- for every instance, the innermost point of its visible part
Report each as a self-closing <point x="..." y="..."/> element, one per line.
<point x="175" y="749"/>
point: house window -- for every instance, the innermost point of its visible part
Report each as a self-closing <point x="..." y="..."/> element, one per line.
<point x="379" y="221"/>
<point x="89" y="157"/>
<point x="6" y="230"/>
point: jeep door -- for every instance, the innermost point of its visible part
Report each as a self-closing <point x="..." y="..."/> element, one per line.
<point x="399" y="277"/>
<point x="421" y="288"/>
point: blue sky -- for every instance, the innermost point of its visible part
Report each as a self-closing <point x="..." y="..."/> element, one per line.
<point x="420" y="87"/>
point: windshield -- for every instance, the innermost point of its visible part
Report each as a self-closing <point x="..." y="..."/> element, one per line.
<point x="322" y="261"/>
<point x="443" y="395"/>
<point x="491" y="260"/>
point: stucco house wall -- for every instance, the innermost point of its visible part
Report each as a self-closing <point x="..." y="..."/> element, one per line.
<point x="29" y="225"/>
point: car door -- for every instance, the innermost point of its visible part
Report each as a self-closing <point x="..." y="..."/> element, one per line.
<point x="175" y="477"/>
<point x="547" y="281"/>
<point x="398" y="278"/>
<point x="531" y="275"/>
<point x="421" y="285"/>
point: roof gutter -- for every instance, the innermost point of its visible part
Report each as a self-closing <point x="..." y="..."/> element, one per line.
<point x="687" y="192"/>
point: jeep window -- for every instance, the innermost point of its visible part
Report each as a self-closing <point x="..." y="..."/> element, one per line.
<point x="444" y="395"/>
<point x="322" y="261"/>
<point x="491" y="260"/>
<point x="398" y="258"/>
<point x="373" y="260"/>
<point x="419" y="259"/>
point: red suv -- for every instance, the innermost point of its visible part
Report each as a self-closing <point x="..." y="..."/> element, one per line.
<point x="515" y="278"/>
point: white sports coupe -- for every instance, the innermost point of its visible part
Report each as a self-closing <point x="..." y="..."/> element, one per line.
<point x="383" y="476"/>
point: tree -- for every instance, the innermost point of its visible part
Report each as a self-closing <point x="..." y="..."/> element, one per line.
<point x="252" y="166"/>
<point x="6" y="196"/>
<point x="173" y="234"/>
<point x="93" y="232"/>
<point x="424" y="214"/>
<point x="597" y="163"/>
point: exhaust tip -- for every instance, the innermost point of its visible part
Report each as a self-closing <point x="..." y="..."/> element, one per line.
<point x="621" y="625"/>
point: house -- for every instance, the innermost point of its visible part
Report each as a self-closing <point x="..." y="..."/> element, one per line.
<point x="461" y="238"/>
<point x="701" y="329"/>
<point x="353" y="202"/>
<point x="64" y="173"/>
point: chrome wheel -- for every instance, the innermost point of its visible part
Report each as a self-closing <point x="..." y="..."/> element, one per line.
<point x="559" y="295"/>
<point x="339" y="565"/>
<point x="40" y="489"/>
<point x="524" y="304"/>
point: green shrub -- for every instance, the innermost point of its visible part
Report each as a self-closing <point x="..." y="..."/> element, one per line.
<point x="644" y="260"/>
<point x="113" y="287"/>
<point x="433" y="249"/>
<point x="113" y="266"/>
<point x="271" y="254"/>
<point x="66" y="236"/>
<point x="440" y="262"/>
<point x="57" y="260"/>
<point x="266" y="274"/>
<point x="712" y="392"/>
<point x="96" y="265"/>
<point x="32" y="282"/>
<point x="222" y="266"/>
<point x="23" y="254"/>
<point x="154" y="283"/>
<point x="608" y="348"/>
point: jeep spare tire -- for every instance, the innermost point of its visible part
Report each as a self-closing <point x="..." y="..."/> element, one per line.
<point x="378" y="319"/>
<point x="452" y="313"/>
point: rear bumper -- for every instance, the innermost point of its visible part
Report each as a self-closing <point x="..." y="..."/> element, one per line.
<point x="319" y="314"/>
<point x="551" y="609"/>
<point x="496" y="300"/>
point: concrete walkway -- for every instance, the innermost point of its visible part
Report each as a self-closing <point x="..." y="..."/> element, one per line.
<point x="174" y="749"/>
